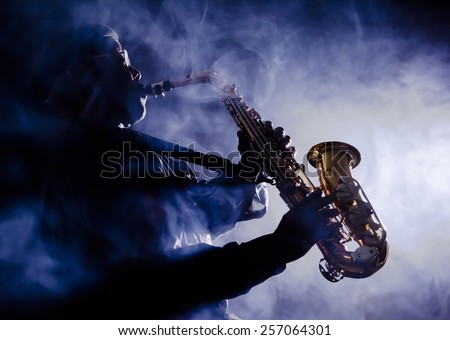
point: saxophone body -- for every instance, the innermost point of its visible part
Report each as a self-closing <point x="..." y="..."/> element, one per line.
<point x="360" y="247"/>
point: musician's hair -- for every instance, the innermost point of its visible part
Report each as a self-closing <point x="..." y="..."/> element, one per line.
<point x="68" y="50"/>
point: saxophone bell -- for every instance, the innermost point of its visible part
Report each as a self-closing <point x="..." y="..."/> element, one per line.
<point x="360" y="223"/>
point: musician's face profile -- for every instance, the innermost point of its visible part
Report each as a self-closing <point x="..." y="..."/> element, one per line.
<point x="129" y="77"/>
<point x="117" y="59"/>
<point x="119" y="83"/>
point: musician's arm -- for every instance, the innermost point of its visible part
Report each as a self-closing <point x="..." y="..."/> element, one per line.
<point x="199" y="274"/>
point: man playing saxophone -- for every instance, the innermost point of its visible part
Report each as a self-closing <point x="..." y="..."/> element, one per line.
<point x="127" y="246"/>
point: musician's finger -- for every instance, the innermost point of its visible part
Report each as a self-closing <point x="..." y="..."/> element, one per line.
<point x="292" y="151"/>
<point x="269" y="127"/>
<point x="284" y="142"/>
<point x="278" y="133"/>
<point x="322" y="202"/>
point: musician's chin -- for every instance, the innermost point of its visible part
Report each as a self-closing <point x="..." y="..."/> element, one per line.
<point x="144" y="113"/>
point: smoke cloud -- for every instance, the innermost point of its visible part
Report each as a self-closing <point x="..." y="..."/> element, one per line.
<point x="347" y="71"/>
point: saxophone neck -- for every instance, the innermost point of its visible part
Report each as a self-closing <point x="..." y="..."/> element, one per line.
<point x="158" y="89"/>
<point x="210" y="77"/>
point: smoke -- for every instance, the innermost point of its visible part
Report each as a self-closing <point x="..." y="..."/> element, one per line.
<point x="324" y="71"/>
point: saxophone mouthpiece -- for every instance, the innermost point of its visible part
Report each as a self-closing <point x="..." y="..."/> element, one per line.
<point x="158" y="89"/>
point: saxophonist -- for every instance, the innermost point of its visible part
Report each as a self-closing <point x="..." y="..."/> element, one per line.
<point x="133" y="244"/>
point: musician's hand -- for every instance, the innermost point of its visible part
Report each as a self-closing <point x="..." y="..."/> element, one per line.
<point x="281" y="141"/>
<point x="304" y="225"/>
<point x="252" y="165"/>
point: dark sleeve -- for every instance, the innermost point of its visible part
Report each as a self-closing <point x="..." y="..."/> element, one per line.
<point x="190" y="276"/>
<point x="229" y="271"/>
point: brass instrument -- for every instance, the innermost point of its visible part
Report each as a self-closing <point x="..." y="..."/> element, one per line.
<point x="359" y="222"/>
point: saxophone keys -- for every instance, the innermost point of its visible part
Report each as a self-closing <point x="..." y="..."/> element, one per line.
<point x="359" y="214"/>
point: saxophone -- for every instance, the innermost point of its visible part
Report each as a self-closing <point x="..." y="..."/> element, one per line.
<point x="359" y="223"/>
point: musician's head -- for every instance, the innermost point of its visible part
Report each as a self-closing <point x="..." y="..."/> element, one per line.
<point x="94" y="79"/>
